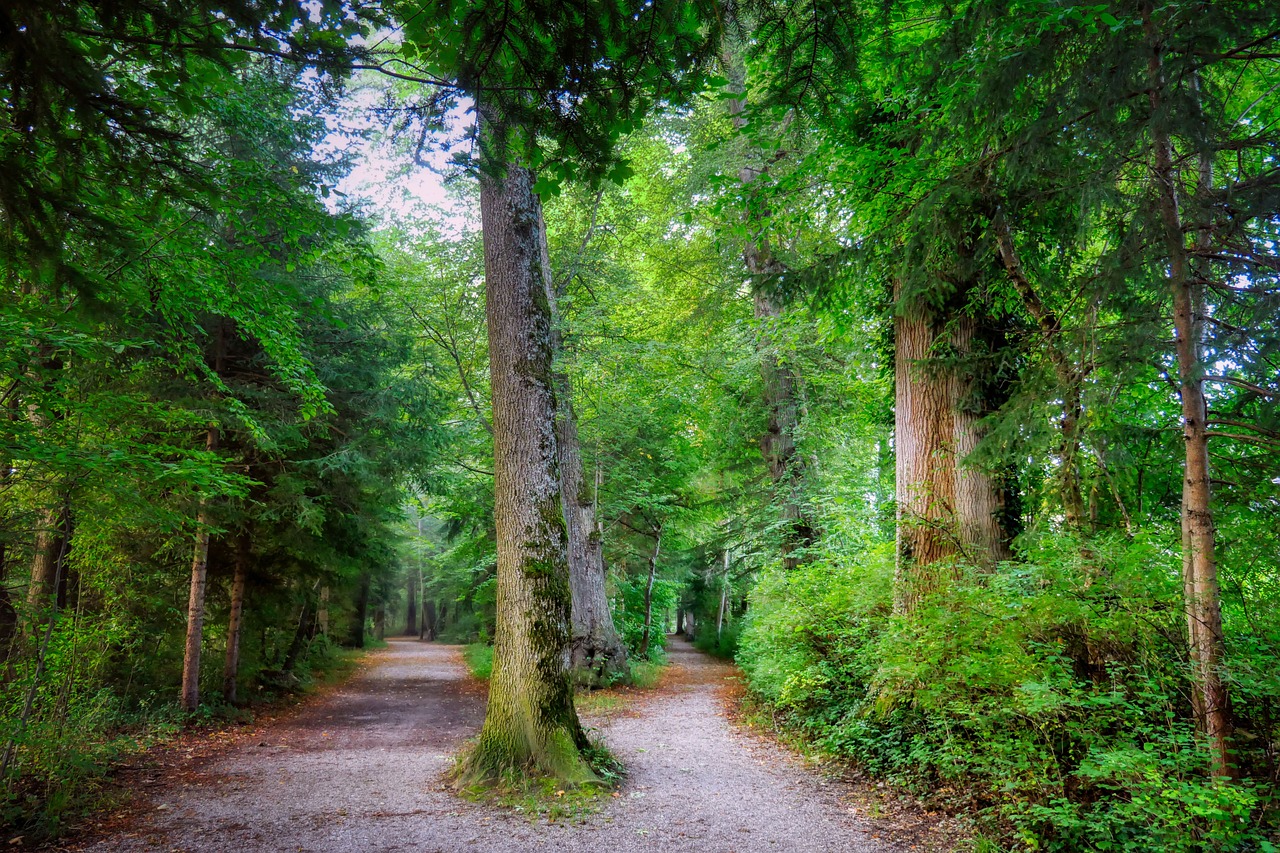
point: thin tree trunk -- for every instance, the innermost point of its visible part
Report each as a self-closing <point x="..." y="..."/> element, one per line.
<point x="8" y="613"/>
<point x="235" y="623"/>
<point x="724" y="596"/>
<point x="530" y="722"/>
<point x="1069" y="376"/>
<point x="195" y="601"/>
<point x="322" y="612"/>
<point x="648" y="593"/>
<point x="1200" y="570"/>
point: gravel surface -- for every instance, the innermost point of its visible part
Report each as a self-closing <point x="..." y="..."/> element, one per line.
<point x="360" y="769"/>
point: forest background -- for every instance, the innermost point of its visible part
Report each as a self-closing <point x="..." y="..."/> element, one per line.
<point x="922" y="357"/>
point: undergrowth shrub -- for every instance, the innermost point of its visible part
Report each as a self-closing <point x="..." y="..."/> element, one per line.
<point x="1049" y="697"/>
<point x="628" y="612"/>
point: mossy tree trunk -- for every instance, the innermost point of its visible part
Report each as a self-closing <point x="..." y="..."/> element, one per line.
<point x="596" y="650"/>
<point x="530" y="724"/>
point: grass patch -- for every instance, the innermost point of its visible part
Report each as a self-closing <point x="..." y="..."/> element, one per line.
<point x="646" y="674"/>
<point x="599" y="702"/>
<point x="479" y="659"/>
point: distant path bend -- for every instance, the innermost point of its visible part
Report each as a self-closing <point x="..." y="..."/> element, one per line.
<point x="359" y="769"/>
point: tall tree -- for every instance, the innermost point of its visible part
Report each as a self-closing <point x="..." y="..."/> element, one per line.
<point x="602" y="67"/>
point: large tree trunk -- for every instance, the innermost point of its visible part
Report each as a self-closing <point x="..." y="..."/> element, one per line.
<point x="923" y="431"/>
<point x="596" y="652"/>
<point x="530" y="722"/>
<point x="195" y="600"/>
<point x="1200" y="569"/>
<point x="778" y="445"/>
<point x="979" y="500"/>
<point x="235" y="623"/>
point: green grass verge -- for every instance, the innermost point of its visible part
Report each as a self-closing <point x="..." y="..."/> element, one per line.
<point x="479" y="659"/>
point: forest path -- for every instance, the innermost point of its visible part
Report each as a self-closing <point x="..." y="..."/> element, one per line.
<point x="360" y="769"/>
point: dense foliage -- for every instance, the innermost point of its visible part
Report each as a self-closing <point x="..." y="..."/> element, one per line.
<point x="892" y="332"/>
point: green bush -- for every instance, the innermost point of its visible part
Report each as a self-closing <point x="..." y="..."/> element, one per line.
<point x="1047" y="697"/>
<point x="628" y="612"/>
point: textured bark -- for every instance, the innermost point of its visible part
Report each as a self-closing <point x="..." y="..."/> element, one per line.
<point x="596" y="651"/>
<point x="235" y="622"/>
<point x="530" y="721"/>
<point x="47" y="569"/>
<point x="923" y="431"/>
<point x="979" y="501"/>
<point x="1200" y="570"/>
<point x="195" y="600"/>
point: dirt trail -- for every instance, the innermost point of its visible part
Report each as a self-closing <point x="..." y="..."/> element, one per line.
<point x="360" y="769"/>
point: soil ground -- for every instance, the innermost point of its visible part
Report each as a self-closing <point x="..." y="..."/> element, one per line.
<point x="361" y="768"/>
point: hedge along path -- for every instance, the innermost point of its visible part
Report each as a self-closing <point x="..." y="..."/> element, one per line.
<point x="362" y="768"/>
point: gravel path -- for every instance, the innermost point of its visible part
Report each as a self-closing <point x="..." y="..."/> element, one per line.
<point x="359" y="769"/>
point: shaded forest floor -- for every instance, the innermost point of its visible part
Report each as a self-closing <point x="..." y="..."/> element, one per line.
<point x="361" y="767"/>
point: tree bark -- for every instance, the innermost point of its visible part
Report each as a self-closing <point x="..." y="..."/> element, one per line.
<point x="235" y="623"/>
<point x="47" y="571"/>
<point x="596" y="652"/>
<point x="1200" y="570"/>
<point x="195" y="600"/>
<point x="530" y="722"/>
<point x="648" y="592"/>
<point x="923" y="430"/>
<point x="979" y="501"/>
